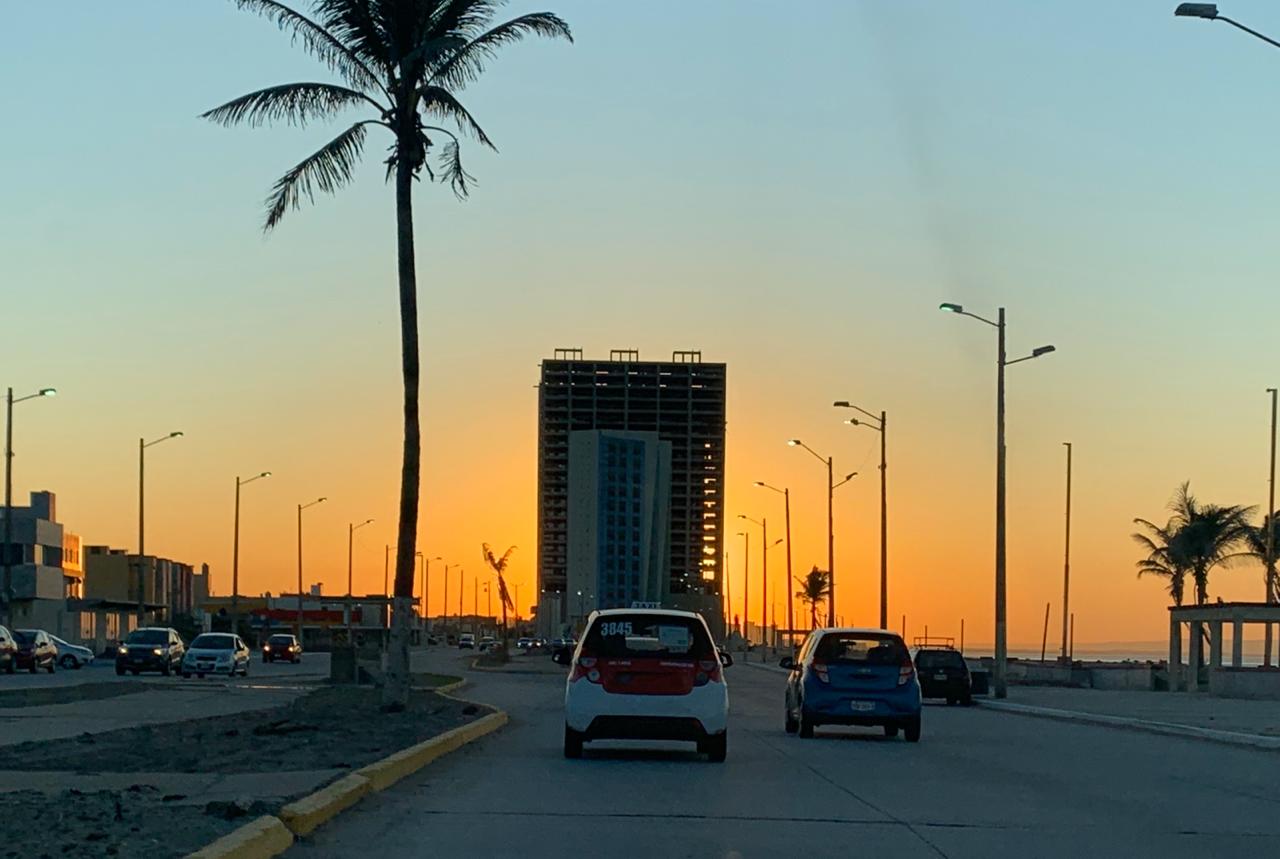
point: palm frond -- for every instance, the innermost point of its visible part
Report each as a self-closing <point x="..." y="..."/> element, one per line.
<point x="449" y="166"/>
<point x="328" y="169"/>
<point x="438" y="101"/>
<point x="295" y="103"/>
<point x="319" y="42"/>
<point x="355" y="24"/>
<point x="466" y="63"/>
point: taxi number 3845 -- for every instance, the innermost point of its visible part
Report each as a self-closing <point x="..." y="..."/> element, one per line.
<point x="615" y="628"/>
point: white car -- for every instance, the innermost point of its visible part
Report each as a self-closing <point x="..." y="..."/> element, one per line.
<point x="646" y="674"/>
<point x="216" y="653"/>
<point x="71" y="655"/>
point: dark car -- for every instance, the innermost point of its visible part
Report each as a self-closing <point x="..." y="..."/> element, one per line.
<point x="943" y="673"/>
<point x="35" y="650"/>
<point x="8" y="651"/>
<point x="282" y="647"/>
<point x="154" y="648"/>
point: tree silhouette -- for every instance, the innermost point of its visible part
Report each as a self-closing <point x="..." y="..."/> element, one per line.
<point x="815" y="588"/>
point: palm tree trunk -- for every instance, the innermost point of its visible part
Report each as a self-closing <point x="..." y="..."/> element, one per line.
<point x="395" y="692"/>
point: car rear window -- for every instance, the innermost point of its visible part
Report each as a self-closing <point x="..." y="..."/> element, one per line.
<point x="280" y="639"/>
<point x="23" y="637"/>
<point x="939" y="659"/>
<point x="213" y="642"/>
<point x="148" y="636"/>
<point x="635" y="636"/>
<point x="862" y="648"/>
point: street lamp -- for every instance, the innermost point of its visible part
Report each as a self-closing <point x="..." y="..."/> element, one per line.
<point x="880" y="426"/>
<point x="143" y="444"/>
<point x="351" y="535"/>
<point x="302" y="507"/>
<point x="426" y="572"/>
<point x="235" y="555"/>
<point x="1002" y="361"/>
<point x="785" y="492"/>
<point x="764" y="575"/>
<point x="1209" y="12"/>
<point x="831" y="536"/>
<point x="10" y="400"/>
<point x="746" y="580"/>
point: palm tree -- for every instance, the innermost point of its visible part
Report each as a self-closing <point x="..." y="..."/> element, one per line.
<point x="403" y="61"/>
<point x="815" y="587"/>
<point x="1254" y="545"/>
<point x="1197" y="538"/>
<point x="1163" y="557"/>
<point x="499" y="566"/>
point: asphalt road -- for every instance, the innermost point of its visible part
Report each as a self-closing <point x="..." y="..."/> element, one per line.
<point x="103" y="671"/>
<point x="979" y="784"/>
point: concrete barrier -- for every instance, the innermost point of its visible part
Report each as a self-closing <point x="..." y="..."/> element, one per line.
<point x="258" y="839"/>
<point x="303" y="816"/>
<point x="1137" y="676"/>
<point x="1254" y="683"/>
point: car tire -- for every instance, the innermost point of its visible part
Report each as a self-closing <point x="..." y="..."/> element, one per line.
<point x="715" y="747"/>
<point x="119" y="671"/>
<point x="789" y="724"/>
<point x="50" y="666"/>
<point x="912" y="730"/>
<point x="806" y="726"/>
<point x="166" y="669"/>
<point x="572" y="743"/>
<point x="891" y="731"/>
<point x="68" y="662"/>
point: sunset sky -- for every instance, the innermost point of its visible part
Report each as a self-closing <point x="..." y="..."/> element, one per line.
<point x="792" y="195"/>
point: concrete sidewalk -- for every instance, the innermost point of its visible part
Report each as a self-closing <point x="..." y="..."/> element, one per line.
<point x="185" y="788"/>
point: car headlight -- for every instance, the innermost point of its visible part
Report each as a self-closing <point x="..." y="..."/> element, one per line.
<point x="157" y="651"/>
<point x="124" y="649"/>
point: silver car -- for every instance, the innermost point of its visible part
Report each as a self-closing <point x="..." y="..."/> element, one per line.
<point x="71" y="655"/>
<point x="216" y="653"/>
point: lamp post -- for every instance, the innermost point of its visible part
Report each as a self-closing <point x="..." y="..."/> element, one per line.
<point x="461" y="572"/>
<point x="235" y="554"/>
<point x="446" y="599"/>
<point x="881" y="426"/>
<point x="143" y="444"/>
<point x="1066" y="561"/>
<point x="746" y="581"/>
<point x="1002" y="361"/>
<point x="302" y="507"/>
<point x="831" y="535"/>
<point x="1209" y="12"/>
<point x="764" y="574"/>
<point x="786" y="498"/>
<point x="772" y="605"/>
<point x="1272" y="586"/>
<point x="426" y="583"/>
<point x="351" y="535"/>
<point x="7" y="587"/>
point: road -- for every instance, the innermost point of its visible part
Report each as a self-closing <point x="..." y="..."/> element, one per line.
<point x="313" y="665"/>
<point x="979" y="784"/>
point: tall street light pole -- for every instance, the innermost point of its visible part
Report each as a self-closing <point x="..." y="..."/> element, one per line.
<point x="746" y="581"/>
<point x="1066" y="563"/>
<point x="785" y="492"/>
<point x="1209" y="12"/>
<point x="1273" y="587"/>
<point x="764" y="574"/>
<point x="881" y="426"/>
<point x="235" y="555"/>
<point x="143" y="444"/>
<point x="1002" y="361"/>
<point x="831" y="535"/>
<point x="426" y="583"/>
<point x="7" y="587"/>
<point x="302" y="507"/>
<point x="351" y="539"/>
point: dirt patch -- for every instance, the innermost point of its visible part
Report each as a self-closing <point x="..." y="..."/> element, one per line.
<point x="330" y="728"/>
<point x="134" y="822"/>
<point x="39" y="697"/>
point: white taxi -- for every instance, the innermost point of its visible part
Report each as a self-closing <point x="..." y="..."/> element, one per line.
<point x="646" y="674"/>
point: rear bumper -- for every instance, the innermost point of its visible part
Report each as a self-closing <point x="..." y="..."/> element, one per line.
<point x="645" y="728"/>
<point x="149" y="662"/>
<point x="955" y="687"/>
<point x="589" y="709"/>
<point x="847" y="707"/>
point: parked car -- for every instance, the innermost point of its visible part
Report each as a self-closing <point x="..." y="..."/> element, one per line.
<point x="71" y="655"/>
<point x="525" y="644"/>
<point x="284" y="647"/>
<point x="943" y="673"/>
<point x="8" y="651"/>
<point x="216" y="653"/>
<point x="466" y="641"/>
<point x="646" y="674"/>
<point x="850" y="676"/>
<point x="35" y="650"/>
<point x="151" y="648"/>
<point x="562" y="650"/>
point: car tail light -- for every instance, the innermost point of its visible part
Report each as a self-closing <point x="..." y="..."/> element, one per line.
<point x="585" y="667"/>
<point x="906" y="672"/>
<point x="708" y="672"/>
<point x="819" y="670"/>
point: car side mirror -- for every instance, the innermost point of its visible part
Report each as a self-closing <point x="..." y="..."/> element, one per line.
<point x="788" y="663"/>
<point x="560" y="657"/>
<point x="725" y="659"/>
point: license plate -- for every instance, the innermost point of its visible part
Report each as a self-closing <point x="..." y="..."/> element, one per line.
<point x="863" y="706"/>
<point x="939" y="677"/>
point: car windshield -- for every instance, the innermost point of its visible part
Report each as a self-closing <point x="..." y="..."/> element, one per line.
<point x="148" y="636"/>
<point x="861" y="648"/>
<point x="939" y="659"/>
<point x="23" y="636"/>
<point x="280" y="639"/>
<point x="636" y="635"/>
<point x="213" y="641"/>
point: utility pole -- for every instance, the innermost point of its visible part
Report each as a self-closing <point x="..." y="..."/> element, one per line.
<point x="791" y="623"/>
<point x="831" y="545"/>
<point x="1271" y="583"/>
<point x="1066" y="562"/>
<point x="1002" y="650"/>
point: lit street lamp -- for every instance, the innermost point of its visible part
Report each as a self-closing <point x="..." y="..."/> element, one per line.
<point x="880" y="426"/>
<point x="764" y="574"/>
<point x="7" y="588"/>
<point x="143" y="444"/>
<point x="302" y="507"/>
<point x="1209" y="12"/>
<point x="426" y="575"/>
<point x="351" y="536"/>
<point x="1002" y="361"/>
<point x="785" y="492"/>
<point x="235" y="555"/>
<point x="746" y="580"/>
<point x="831" y="536"/>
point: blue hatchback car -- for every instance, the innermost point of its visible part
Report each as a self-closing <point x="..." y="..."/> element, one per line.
<point x="853" y="677"/>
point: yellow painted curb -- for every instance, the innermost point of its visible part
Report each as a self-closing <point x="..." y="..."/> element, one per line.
<point x="304" y="815"/>
<point x="450" y="687"/>
<point x="386" y="772"/>
<point x="260" y="839"/>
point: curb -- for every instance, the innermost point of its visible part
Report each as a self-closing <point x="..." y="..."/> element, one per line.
<point x="271" y="835"/>
<point x="449" y="687"/>
<point x="261" y="839"/>
<point x="1170" y="729"/>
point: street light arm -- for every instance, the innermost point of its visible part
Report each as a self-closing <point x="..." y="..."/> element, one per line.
<point x="845" y="404"/>
<point x="43" y="392"/>
<point x="176" y="434"/>
<point x="764" y="485"/>
<point x="960" y="311"/>
<point x="1251" y="32"/>
<point x="1035" y="353"/>
<point x="846" y="480"/>
<point x="795" y="442"/>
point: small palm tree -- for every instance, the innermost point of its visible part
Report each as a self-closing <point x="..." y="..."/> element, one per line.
<point x="815" y="588"/>
<point x="1254" y="545"/>
<point x="403" y="62"/>
<point x="499" y="566"/>
<point x="1163" y="557"/>
<point x="1197" y="539"/>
